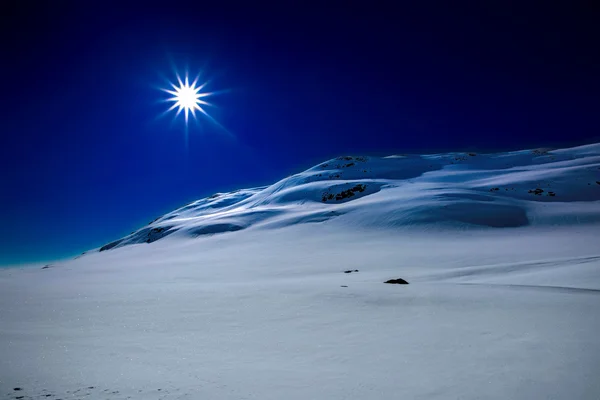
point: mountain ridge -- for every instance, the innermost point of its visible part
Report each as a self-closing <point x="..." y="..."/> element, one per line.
<point x="446" y="190"/>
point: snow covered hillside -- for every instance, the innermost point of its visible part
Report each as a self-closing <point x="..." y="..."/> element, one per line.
<point x="446" y="190"/>
<point x="278" y="292"/>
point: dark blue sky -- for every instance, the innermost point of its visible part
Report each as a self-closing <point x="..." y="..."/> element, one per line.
<point x="85" y="160"/>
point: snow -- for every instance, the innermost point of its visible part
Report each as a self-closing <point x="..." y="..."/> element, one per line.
<point x="241" y="295"/>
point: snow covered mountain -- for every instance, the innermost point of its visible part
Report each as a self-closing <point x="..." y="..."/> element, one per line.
<point x="278" y="292"/>
<point x="531" y="187"/>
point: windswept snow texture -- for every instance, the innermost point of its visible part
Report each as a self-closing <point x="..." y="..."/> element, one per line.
<point x="465" y="190"/>
<point x="244" y="295"/>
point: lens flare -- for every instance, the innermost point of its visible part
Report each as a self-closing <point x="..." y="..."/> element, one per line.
<point x="188" y="97"/>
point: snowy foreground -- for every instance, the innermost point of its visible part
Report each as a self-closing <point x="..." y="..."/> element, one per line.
<point x="244" y="295"/>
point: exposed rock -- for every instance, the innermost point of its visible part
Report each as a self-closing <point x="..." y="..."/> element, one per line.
<point x="398" y="281"/>
<point x="350" y="271"/>
<point x="344" y="194"/>
<point x="537" y="191"/>
<point x="350" y="192"/>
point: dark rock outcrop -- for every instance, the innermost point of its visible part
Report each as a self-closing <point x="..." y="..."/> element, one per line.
<point x="344" y="194"/>
<point x="398" y="281"/>
<point x="537" y="191"/>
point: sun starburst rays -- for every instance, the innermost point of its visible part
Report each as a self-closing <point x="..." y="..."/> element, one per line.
<point x="188" y="97"/>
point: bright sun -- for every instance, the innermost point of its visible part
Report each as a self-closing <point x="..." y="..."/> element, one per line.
<point x="187" y="97"/>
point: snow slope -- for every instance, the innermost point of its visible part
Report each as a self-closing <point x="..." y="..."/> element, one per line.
<point x="444" y="190"/>
<point x="244" y="295"/>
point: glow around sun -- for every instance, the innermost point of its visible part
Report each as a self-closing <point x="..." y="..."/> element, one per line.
<point x="188" y="97"/>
